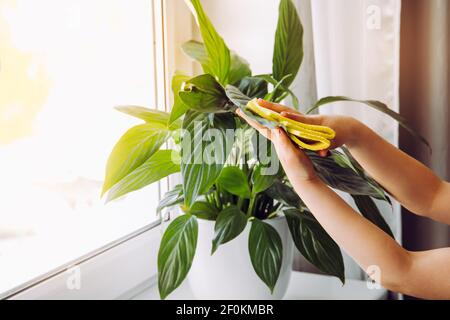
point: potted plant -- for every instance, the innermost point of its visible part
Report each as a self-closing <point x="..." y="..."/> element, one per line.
<point x="240" y="217"/>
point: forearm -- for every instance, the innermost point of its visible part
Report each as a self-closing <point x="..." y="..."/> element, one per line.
<point x="362" y="240"/>
<point x="406" y="179"/>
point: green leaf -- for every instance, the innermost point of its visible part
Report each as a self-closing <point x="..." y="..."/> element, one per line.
<point x="205" y="95"/>
<point x="346" y="160"/>
<point x="239" y="69"/>
<point x="284" y="194"/>
<point x="288" y="52"/>
<point x="315" y="244"/>
<point x="229" y="224"/>
<point x="160" y="118"/>
<point x="266" y="252"/>
<point x="176" y="253"/>
<point x="341" y="177"/>
<point x="253" y="87"/>
<point x="219" y="61"/>
<point x="196" y="50"/>
<point x="370" y="211"/>
<point x="239" y="66"/>
<point x="135" y="147"/>
<point x="261" y="182"/>
<point x="200" y="168"/>
<point x="239" y="99"/>
<point x="178" y="108"/>
<point x="269" y="79"/>
<point x="377" y="105"/>
<point x="157" y="167"/>
<point x="234" y="180"/>
<point x="171" y="198"/>
<point x="277" y="93"/>
<point x="204" y="210"/>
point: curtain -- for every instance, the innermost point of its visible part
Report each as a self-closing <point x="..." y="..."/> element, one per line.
<point x="356" y="54"/>
<point x="424" y="97"/>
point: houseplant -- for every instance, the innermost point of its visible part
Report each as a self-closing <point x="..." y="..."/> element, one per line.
<point x="234" y="186"/>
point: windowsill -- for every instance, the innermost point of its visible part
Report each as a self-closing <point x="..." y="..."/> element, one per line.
<point x="303" y="286"/>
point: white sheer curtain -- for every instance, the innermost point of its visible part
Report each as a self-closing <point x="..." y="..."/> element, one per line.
<point x="356" y="47"/>
<point x="357" y="54"/>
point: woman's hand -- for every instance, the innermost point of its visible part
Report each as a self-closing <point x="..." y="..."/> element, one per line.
<point x="296" y="164"/>
<point x="347" y="129"/>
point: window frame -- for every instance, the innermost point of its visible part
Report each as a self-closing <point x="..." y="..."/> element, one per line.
<point x="103" y="273"/>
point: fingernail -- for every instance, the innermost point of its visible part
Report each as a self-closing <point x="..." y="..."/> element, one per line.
<point x="279" y="131"/>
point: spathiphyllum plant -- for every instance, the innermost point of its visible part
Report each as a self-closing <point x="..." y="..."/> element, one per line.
<point x="229" y="173"/>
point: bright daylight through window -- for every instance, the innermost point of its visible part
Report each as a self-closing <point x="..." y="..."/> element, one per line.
<point x="64" y="66"/>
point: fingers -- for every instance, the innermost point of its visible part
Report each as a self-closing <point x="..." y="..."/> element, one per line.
<point x="255" y="124"/>
<point x="283" y="144"/>
<point x="275" y="106"/>
<point x="295" y="162"/>
<point x="315" y="120"/>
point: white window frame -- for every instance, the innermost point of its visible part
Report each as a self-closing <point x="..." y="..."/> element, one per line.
<point x="125" y="267"/>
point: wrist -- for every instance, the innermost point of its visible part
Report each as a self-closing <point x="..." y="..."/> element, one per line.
<point x="357" y="133"/>
<point x="306" y="183"/>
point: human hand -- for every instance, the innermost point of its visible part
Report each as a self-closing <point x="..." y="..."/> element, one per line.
<point x="346" y="128"/>
<point x="294" y="161"/>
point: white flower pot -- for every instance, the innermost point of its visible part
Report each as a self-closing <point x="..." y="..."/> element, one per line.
<point x="229" y="274"/>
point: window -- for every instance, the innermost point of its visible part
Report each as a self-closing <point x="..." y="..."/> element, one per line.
<point x="64" y="66"/>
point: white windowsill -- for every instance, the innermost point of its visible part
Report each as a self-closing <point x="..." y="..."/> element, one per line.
<point x="304" y="286"/>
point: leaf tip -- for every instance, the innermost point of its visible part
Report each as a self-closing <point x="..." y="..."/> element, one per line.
<point x="213" y="249"/>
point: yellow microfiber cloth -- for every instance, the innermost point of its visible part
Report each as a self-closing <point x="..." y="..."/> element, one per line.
<point x="307" y="136"/>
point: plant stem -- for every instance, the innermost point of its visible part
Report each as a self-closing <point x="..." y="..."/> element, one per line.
<point x="250" y="207"/>
<point x="240" y="203"/>
<point x="217" y="197"/>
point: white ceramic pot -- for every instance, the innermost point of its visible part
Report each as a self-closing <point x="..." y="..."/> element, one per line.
<point x="229" y="274"/>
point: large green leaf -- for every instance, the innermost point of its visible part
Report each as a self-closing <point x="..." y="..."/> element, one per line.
<point x="234" y="180"/>
<point x="236" y="96"/>
<point x="346" y="159"/>
<point x="176" y="253"/>
<point x="219" y="61"/>
<point x="229" y="224"/>
<point x="261" y="180"/>
<point x="240" y="100"/>
<point x="266" y="252"/>
<point x="204" y="210"/>
<point x="370" y="211"/>
<point x="284" y="194"/>
<point x="341" y="177"/>
<point x="171" y="198"/>
<point x="134" y="148"/>
<point x="315" y="244"/>
<point x="200" y="168"/>
<point x="253" y="87"/>
<point x="377" y="105"/>
<point x="205" y="94"/>
<point x="288" y="52"/>
<point x="178" y="108"/>
<point x="239" y="68"/>
<point x="158" y="166"/>
<point x="196" y="50"/>
<point x="150" y="116"/>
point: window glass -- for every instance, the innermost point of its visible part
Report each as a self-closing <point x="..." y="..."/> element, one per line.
<point x="64" y="65"/>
